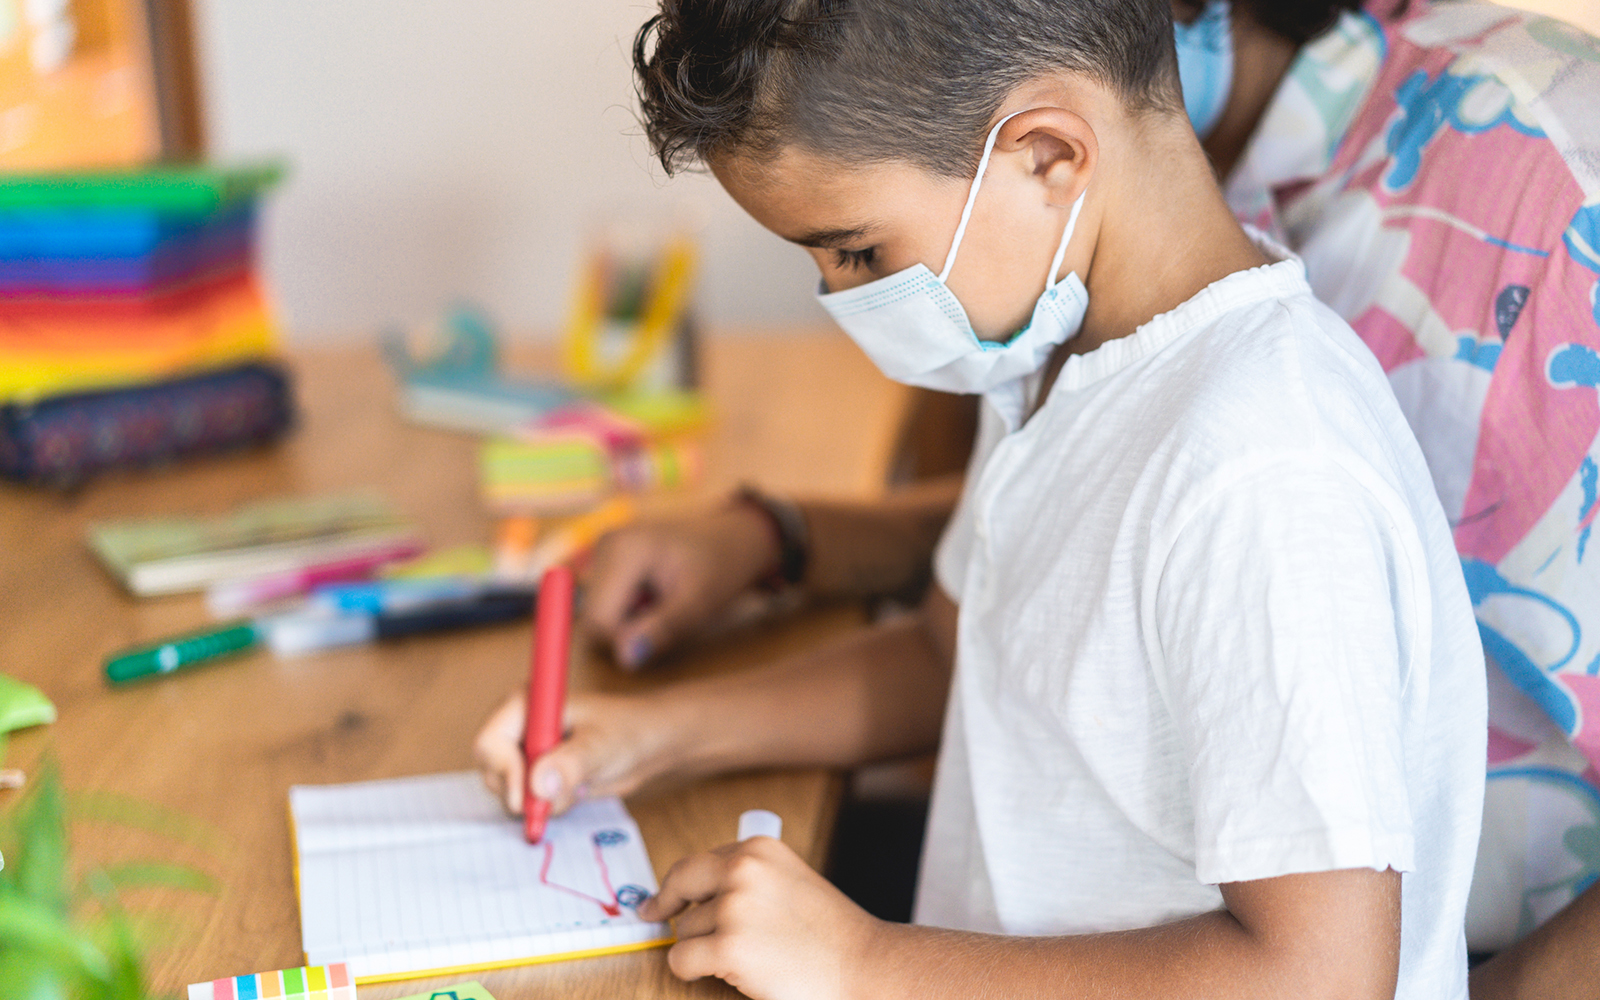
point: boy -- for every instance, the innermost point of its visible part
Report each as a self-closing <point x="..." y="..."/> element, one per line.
<point x="1215" y="698"/>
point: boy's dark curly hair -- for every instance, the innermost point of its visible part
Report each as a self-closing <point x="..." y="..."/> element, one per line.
<point x="915" y="81"/>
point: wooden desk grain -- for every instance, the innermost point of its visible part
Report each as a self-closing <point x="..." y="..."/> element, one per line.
<point x="803" y="413"/>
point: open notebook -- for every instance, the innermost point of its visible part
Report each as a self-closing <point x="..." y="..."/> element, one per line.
<point x="427" y="875"/>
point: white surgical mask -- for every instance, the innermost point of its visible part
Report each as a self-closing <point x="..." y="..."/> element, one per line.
<point x="913" y="328"/>
<point x="1205" y="64"/>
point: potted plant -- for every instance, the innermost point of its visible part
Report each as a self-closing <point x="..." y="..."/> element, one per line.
<point x="64" y="934"/>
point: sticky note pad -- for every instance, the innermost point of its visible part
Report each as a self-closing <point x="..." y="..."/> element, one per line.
<point x="319" y="982"/>
<point x="462" y="991"/>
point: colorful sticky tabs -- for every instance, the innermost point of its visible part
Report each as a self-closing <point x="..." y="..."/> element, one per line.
<point x="318" y="982"/>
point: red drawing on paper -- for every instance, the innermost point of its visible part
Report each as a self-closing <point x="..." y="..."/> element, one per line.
<point x="610" y="905"/>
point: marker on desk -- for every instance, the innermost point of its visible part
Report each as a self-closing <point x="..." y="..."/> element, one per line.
<point x="484" y="608"/>
<point x="393" y="596"/>
<point x="578" y="535"/>
<point x="181" y="651"/>
<point x="547" y="689"/>
<point x="322" y="627"/>
<point x="231" y="597"/>
<point x="513" y="546"/>
<point x="760" y="823"/>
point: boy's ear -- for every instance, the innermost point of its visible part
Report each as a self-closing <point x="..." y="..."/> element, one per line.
<point x="1061" y="150"/>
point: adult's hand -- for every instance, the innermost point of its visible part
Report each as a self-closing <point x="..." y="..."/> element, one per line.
<point x="650" y="585"/>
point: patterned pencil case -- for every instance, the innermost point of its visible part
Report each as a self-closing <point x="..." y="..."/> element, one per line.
<point x="65" y="440"/>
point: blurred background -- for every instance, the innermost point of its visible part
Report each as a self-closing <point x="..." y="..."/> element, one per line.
<point x="450" y="148"/>
<point x="445" y="150"/>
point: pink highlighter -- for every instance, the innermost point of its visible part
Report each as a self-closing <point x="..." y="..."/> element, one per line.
<point x="547" y="688"/>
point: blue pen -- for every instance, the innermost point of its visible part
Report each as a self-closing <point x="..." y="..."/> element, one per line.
<point x="393" y="596"/>
<point x="324" y="627"/>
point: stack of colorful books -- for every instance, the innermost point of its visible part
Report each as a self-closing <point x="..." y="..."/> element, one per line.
<point x="133" y="329"/>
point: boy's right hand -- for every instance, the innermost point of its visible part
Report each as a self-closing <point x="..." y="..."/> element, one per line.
<point x="649" y="585"/>
<point x="614" y="745"/>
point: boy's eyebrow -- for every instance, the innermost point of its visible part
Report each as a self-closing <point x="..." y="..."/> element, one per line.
<point x="828" y="239"/>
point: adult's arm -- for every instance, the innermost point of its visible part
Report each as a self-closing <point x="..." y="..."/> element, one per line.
<point x="654" y="584"/>
<point x="874" y="694"/>
<point x="1558" y="961"/>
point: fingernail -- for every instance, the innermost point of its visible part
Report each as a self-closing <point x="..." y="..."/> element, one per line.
<point x="548" y="785"/>
<point x="638" y="651"/>
<point x="583" y="791"/>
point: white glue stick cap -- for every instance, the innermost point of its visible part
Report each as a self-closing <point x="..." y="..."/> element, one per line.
<point x="301" y="632"/>
<point x="760" y="823"/>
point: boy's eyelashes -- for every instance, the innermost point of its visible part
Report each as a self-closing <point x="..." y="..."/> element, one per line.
<point x="853" y="260"/>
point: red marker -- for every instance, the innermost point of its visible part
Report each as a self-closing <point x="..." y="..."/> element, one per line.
<point x="547" y="688"/>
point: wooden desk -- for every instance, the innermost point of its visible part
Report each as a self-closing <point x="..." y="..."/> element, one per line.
<point x="803" y="412"/>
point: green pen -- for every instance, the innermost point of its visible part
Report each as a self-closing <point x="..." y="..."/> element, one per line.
<point x="181" y="651"/>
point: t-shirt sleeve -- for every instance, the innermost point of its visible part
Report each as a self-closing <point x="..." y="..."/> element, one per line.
<point x="1286" y="616"/>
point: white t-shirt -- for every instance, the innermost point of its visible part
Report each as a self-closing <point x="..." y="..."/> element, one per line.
<point x="1212" y="629"/>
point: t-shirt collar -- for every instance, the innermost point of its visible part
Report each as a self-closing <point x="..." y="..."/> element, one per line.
<point x="1284" y="277"/>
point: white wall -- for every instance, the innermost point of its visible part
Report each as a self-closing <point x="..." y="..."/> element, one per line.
<point x="467" y="148"/>
<point x="459" y="148"/>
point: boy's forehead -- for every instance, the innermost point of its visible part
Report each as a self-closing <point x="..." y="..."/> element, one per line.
<point x="817" y="200"/>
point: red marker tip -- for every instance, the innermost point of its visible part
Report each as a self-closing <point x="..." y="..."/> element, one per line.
<point x="535" y="815"/>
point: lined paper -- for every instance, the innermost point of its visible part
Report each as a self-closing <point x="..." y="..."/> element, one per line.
<point x="428" y="873"/>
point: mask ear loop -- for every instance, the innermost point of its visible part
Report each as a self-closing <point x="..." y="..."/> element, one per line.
<point x="972" y="196"/>
<point x="1066" y="237"/>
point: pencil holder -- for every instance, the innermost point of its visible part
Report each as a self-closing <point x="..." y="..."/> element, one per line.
<point x="632" y="327"/>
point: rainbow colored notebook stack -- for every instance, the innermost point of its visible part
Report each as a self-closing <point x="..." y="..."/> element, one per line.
<point x="133" y="328"/>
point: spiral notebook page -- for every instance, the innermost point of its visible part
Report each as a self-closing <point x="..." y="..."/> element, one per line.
<point x="428" y="874"/>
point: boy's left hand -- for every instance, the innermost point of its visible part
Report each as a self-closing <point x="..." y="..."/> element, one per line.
<point x="755" y="915"/>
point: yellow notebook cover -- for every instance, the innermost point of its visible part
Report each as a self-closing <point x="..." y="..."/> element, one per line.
<point x="427" y="876"/>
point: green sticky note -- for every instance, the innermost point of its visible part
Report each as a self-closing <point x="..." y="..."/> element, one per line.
<point x="22" y="705"/>
<point x="462" y="991"/>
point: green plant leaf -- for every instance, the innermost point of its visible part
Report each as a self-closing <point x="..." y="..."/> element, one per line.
<point x="127" y="969"/>
<point x="107" y="807"/>
<point x="36" y="844"/>
<point x="68" y="938"/>
<point x="28" y="926"/>
<point x="149" y="930"/>
<point x="27" y="976"/>
<point x="149" y="874"/>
